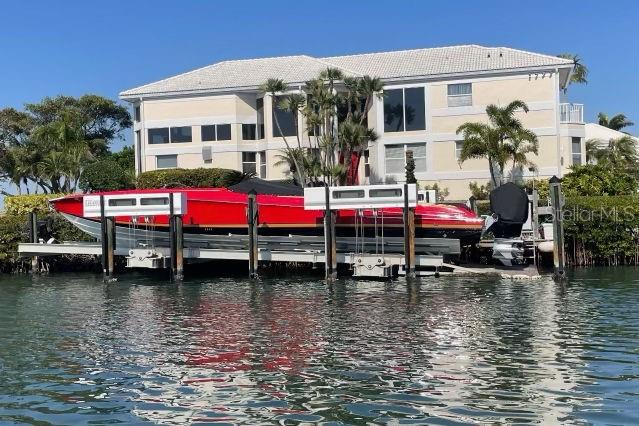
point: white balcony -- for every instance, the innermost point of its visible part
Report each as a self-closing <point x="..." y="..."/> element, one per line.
<point x="571" y="113"/>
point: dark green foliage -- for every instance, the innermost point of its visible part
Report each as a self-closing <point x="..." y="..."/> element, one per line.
<point x="13" y="230"/>
<point x="602" y="230"/>
<point x="596" y="180"/>
<point x="189" y="178"/>
<point x="125" y="158"/>
<point x="105" y="175"/>
<point x="101" y="119"/>
<point x="50" y="143"/>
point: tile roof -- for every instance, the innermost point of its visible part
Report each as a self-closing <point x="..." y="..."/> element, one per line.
<point x="250" y="73"/>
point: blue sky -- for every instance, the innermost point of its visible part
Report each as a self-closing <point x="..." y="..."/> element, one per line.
<point x="75" y="47"/>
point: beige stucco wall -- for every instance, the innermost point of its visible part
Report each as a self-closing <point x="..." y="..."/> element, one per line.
<point x="190" y="108"/>
<point x="440" y="134"/>
<point x="499" y="90"/>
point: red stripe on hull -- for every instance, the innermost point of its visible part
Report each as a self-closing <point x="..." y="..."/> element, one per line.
<point x="220" y="207"/>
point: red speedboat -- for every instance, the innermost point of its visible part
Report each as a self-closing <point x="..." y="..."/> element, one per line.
<point x="221" y="211"/>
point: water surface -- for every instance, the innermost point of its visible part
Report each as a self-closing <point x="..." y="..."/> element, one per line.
<point x="439" y="351"/>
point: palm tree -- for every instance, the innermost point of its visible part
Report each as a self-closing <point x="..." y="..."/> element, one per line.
<point x="616" y="122"/>
<point x="273" y="86"/>
<point x="503" y="139"/>
<point x="592" y="148"/>
<point x="579" y="72"/>
<point x="620" y="153"/>
<point x="65" y="152"/>
<point x="353" y="140"/>
<point x="369" y="88"/>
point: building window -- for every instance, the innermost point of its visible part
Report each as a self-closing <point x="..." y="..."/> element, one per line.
<point x="263" y="164"/>
<point x="138" y="151"/>
<point x="249" y="132"/>
<point x="458" y="149"/>
<point x="460" y="94"/>
<point x="223" y="132"/>
<point x="576" y="151"/>
<point x="166" y="161"/>
<point x="136" y="113"/>
<point x="181" y="134"/>
<point x="367" y="164"/>
<point x="249" y="164"/>
<point x="170" y="135"/>
<point x="395" y="161"/>
<point x="208" y="133"/>
<point x="404" y="110"/>
<point x="285" y="119"/>
<point x="158" y="136"/>
<point x="216" y="132"/>
<point x="260" y="117"/>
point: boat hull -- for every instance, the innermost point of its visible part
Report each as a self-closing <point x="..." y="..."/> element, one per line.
<point x="218" y="212"/>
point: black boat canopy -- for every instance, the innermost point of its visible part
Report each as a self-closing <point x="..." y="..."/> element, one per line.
<point x="261" y="186"/>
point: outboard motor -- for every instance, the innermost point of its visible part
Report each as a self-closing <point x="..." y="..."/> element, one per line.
<point x="509" y="208"/>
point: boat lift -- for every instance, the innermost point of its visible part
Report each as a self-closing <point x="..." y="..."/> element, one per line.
<point x="392" y="255"/>
<point x="372" y="198"/>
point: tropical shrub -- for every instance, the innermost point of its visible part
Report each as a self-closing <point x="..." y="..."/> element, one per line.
<point x="602" y="230"/>
<point x="189" y="178"/>
<point x="105" y="175"/>
<point x="20" y="205"/>
<point x="597" y="180"/>
<point x="13" y="230"/>
<point x="480" y="192"/>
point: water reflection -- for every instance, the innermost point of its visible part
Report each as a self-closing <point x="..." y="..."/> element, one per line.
<point x="451" y="350"/>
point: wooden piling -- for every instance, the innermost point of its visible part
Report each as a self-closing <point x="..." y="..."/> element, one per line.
<point x="559" y="254"/>
<point x="176" y="240"/>
<point x="252" y="219"/>
<point x="33" y="237"/>
<point x="107" y="240"/>
<point x="534" y="222"/>
<point x="330" y="246"/>
<point x="409" y="235"/>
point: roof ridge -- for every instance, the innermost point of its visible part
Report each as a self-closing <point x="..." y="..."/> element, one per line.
<point x="542" y="55"/>
<point x="406" y="50"/>
<point x="173" y="76"/>
<point x="212" y="66"/>
<point x="337" y="66"/>
<point x="266" y="57"/>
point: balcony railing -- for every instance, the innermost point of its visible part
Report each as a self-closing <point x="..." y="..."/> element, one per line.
<point x="571" y="113"/>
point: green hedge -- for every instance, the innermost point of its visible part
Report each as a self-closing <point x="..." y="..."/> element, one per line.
<point x="190" y="178"/>
<point x="105" y="175"/>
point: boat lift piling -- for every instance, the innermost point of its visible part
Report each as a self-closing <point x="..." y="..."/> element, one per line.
<point x="409" y="235"/>
<point x="176" y="240"/>
<point x="330" y="240"/>
<point x="559" y="253"/>
<point x="252" y="216"/>
<point x="33" y="238"/>
<point x="107" y="234"/>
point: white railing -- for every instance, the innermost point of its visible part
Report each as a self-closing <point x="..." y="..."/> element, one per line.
<point x="571" y="113"/>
